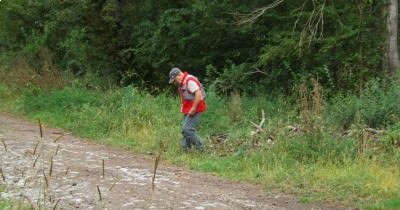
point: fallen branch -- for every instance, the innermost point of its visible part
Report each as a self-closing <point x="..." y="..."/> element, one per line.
<point x="374" y="131"/>
<point x="259" y="126"/>
<point x="294" y="128"/>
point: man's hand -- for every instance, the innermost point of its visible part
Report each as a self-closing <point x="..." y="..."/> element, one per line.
<point x="192" y="112"/>
<point x="197" y="98"/>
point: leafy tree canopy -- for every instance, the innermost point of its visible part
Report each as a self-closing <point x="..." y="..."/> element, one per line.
<point x="137" y="42"/>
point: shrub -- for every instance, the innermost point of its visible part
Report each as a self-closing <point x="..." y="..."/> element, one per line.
<point x="377" y="106"/>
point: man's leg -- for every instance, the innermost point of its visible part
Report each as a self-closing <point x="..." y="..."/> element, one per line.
<point x="185" y="143"/>
<point x="189" y="132"/>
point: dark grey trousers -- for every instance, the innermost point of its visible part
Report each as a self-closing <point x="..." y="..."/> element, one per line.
<point x="189" y="133"/>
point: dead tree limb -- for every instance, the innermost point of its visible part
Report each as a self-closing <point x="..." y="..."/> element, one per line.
<point x="374" y="131"/>
<point x="253" y="16"/>
<point x="257" y="70"/>
<point x="314" y="26"/>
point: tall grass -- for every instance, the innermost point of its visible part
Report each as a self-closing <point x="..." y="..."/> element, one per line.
<point x="376" y="106"/>
<point x="311" y="147"/>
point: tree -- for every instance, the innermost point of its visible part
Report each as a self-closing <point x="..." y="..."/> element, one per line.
<point x="340" y="42"/>
<point x="392" y="50"/>
<point x="275" y="47"/>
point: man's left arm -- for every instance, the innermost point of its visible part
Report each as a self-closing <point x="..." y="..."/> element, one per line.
<point x="197" y="99"/>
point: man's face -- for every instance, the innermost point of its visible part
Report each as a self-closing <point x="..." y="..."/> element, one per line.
<point x="178" y="79"/>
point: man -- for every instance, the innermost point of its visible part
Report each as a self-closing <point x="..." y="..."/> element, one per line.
<point x="193" y="105"/>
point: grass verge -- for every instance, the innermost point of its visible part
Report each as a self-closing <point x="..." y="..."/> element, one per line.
<point x="300" y="150"/>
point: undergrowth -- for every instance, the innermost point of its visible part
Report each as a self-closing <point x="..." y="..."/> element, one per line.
<point x="345" y="149"/>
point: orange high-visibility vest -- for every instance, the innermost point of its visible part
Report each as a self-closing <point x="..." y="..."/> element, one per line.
<point x="188" y="97"/>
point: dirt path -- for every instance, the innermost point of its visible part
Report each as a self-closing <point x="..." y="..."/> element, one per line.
<point x="67" y="172"/>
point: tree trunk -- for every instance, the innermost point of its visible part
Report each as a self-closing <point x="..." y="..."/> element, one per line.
<point x="392" y="51"/>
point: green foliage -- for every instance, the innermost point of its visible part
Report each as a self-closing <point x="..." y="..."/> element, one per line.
<point x="312" y="149"/>
<point x="319" y="165"/>
<point x="315" y="49"/>
<point x="233" y="78"/>
<point x="247" y="69"/>
<point x="123" y="43"/>
<point x="58" y="100"/>
<point x="391" y="141"/>
<point x="377" y="106"/>
<point x="76" y="51"/>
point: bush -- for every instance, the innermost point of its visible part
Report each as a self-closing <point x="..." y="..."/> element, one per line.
<point x="377" y="106"/>
<point x="391" y="141"/>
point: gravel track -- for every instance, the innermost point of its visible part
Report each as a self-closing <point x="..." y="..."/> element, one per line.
<point x="66" y="172"/>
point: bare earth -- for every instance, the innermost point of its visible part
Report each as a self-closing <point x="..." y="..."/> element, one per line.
<point x="66" y="172"/>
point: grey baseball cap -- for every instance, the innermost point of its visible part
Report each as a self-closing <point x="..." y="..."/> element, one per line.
<point x="173" y="73"/>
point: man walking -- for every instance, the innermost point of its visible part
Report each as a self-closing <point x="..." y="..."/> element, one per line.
<point x="193" y="105"/>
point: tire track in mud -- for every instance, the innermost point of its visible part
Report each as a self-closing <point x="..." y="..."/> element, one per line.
<point x="63" y="171"/>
